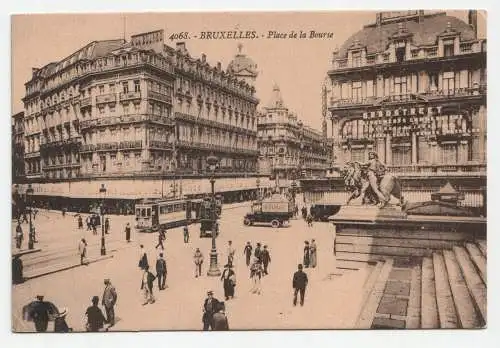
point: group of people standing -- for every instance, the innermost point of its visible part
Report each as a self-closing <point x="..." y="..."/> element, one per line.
<point x="310" y="254"/>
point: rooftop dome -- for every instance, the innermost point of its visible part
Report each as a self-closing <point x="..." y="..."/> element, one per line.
<point x="376" y="38"/>
<point x="241" y="62"/>
<point x="276" y="99"/>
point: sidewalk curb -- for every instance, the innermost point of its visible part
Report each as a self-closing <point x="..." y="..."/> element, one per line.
<point x="65" y="268"/>
<point x="26" y="252"/>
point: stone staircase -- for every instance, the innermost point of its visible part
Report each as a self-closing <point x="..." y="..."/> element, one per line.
<point x="444" y="288"/>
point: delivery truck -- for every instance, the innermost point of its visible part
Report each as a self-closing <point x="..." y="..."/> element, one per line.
<point x="276" y="210"/>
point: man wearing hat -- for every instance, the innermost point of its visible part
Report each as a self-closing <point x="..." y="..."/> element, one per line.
<point x="266" y="259"/>
<point x="248" y="253"/>
<point x="376" y="171"/>
<point x="40" y="315"/>
<point x="95" y="318"/>
<point x="258" y="251"/>
<point x="109" y="298"/>
<point x="220" y="322"/>
<point x="299" y="285"/>
<point x="210" y="306"/>
<point x="228" y="278"/>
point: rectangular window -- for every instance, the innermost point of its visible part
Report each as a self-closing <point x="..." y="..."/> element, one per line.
<point x="449" y="50"/>
<point x="449" y="83"/>
<point x="356" y="92"/>
<point x="125" y="109"/>
<point x="112" y="88"/>
<point x="101" y="89"/>
<point x="356" y="59"/>
<point x="112" y="109"/>
<point x="449" y="153"/>
<point x="401" y="155"/>
<point x="101" y="110"/>
<point x="369" y="88"/>
<point x="125" y="87"/>
<point x="137" y="86"/>
<point x="400" y="86"/>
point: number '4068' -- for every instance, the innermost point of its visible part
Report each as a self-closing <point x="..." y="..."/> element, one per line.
<point x="179" y="36"/>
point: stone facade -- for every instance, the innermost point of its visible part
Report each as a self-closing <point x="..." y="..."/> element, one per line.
<point x="288" y="148"/>
<point x="17" y="147"/>
<point x="413" y="89"/>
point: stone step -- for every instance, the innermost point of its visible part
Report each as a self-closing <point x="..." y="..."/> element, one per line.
<point x="351" y="265"/>
<point x="365" y="231"/>
<point x="414" y="314"/>
<point x="370" y="282"/>
<point x="478" y="258"/>
<point x="369" y="309"/>
<point x="358" y="257"/>
<point x="397" y="242"/>
<point x="482" y="246"/>
<point x="446" y="307"/>
<point x="475" y="284"/>
<point x="466" y="313"/>
<point x="383" y="250"/>
<point x="429" y="311"/>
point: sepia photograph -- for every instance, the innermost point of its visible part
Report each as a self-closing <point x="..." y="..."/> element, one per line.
<point x="229" y="171"/>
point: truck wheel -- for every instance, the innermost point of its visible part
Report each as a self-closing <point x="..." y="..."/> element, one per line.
<point x="275" y="223"/>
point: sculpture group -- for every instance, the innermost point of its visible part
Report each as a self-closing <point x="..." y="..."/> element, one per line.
<point x="371" y="182"/>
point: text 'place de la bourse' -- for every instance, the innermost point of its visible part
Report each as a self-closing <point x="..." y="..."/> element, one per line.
<point x="153" y="190"/>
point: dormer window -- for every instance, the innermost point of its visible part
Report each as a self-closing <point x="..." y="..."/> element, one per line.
<point x="449" y="49"/>
<point x="356" y="59"/>
<point x="400" y="54"/>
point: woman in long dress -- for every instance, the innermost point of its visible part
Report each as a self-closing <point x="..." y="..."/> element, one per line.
<point x="307" y="254"/>
<point x="228" y="280"/>
<point x="313" y="251"/>
<point x="256" y="274"/>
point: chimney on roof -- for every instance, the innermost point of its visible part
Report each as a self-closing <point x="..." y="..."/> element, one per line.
<point x="203" y="58"/>
<point x="219" y="66"/>
<point x="473" y="21"/>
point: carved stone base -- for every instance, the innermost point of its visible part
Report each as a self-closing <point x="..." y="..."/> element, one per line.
<point x="369" y="213"/>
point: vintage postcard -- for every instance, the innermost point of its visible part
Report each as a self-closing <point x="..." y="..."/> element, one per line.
<point x="249" y="171"/>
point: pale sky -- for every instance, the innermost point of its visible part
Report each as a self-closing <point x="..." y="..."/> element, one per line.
<point x="298" y="66"/>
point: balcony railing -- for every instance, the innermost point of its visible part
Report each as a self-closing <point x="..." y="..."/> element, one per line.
<point x="215" y="147"/>
<point x="105" y="98"/>
<point x="469" y="169"/>
<point x="85" y="102"/>
<point x="123" y="119"/>
<point x="125" y="96"/>
<point x="134" y="144"/>
<point x="160" y="145"/>
<point x="160" y="97"/>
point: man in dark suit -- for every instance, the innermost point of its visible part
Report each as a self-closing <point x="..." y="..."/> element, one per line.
<point x="266" y="258"/>
<point x="299" y="285"/>
<point x="210" y="306"/>
<point x="220" y="322"/>
<point x="109" y="298"/>
<point x="161" y="271"/>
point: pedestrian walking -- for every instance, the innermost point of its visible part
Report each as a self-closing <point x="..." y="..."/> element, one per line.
<point x="40" y="315"/>
<point x="307" y="254"/>
<point x="143" y="258"/>
<point x="19" y="236"/>
<point x="256" y="274"/>
<point x="313" y="252"/>
<point x="210" y="306"/>
<point x="109" y="298"/>
<point x="299" y="284"/>
<point x="161" y="238"/>
<point x="220" y="322"/>
<point x="147" y="286"/>
<point x="198" y="262"/>
<point x="266" y="259"/>
<point x="304" y="212"/>
<point x="230" y="253"/>
<point x="88" y="221"/>
<point x="161" y="271"/>
<point x="309" y="220"/>
<point x="60" y="324"/>
<point x="296" y="211"/>
<point x="95" y="318"/>
<point x="106" y="226"/>
<point x="229" y="281"/>
<point x="127" y="232"/>
<point x="248" y="253"/>
<point x="80" y="222"/>
<point x="82" y="250"/>
<point x="94" y="225"/>
<point x="258" y="251"/>
<point x="186" y="234"/>
<point x="17" y="270"/>
<point x="25" y="218"/>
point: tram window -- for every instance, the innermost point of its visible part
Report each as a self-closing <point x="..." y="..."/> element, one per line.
<point x="138" y="212"/>
<point x="169" y="208"/>
<point x="184" y="205"/>
<point x="143" y="213"/>
<point x="148" y="211"/>
<point x="177" y="207"/>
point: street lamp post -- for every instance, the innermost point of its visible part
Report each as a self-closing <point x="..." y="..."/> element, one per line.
<point x="214" y="270"/>
<point x="29" y="195"/>
<point x="102" y="193"/>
